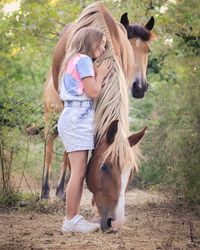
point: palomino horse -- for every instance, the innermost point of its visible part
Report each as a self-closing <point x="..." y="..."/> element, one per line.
<point x="128" y="48"/>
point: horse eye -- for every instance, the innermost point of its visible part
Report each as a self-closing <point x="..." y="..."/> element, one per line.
<point x="104" y="167"/>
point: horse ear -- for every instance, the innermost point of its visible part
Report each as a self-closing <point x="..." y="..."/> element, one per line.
<point x="135" y="138"/>
<point x="111" y="132"/>
<point x="149" y="25"/>
<point x="124" y="20"/>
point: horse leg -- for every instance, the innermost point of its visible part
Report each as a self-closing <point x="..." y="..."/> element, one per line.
<point x="49" y="156"/>
<point x="61" y="183"/>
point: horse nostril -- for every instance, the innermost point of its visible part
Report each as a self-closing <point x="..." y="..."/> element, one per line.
<point x="109" y="220"/>
<point x="136" y="86"/>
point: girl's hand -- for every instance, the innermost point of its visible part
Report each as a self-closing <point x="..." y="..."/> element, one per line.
<point x="93" y="85"/>
<point x="104" y="68"/>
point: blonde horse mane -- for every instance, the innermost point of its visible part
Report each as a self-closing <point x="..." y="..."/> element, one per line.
<point x="112" y="102"/>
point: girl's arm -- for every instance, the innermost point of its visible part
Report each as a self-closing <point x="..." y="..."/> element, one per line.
<point x="92" y="85"/>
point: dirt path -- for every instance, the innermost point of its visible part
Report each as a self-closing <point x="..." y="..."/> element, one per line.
<point x="151" y="223"/>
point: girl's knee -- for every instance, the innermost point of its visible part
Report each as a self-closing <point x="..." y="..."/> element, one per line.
<point x="79" y="174"/>
<point x="82" y="174"/>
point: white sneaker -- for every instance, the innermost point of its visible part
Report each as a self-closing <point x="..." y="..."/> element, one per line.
<point x="79" y="224"/>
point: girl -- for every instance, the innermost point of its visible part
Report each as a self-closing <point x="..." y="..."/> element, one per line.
<point x="80" y="84"/>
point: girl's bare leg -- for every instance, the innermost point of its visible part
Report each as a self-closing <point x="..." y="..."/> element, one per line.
<point x="78" y="162"/>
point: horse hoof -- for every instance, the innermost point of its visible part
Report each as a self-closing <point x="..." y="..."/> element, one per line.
<point x="45" y="194"/>
<point x="60" y="194"/>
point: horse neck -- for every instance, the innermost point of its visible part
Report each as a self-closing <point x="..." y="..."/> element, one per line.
<point x="113" y="104"/>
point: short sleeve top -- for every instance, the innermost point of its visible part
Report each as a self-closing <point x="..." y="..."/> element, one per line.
<point x="79" y="67"/>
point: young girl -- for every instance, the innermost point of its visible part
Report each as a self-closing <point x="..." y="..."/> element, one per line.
<point x="80" y="84"/>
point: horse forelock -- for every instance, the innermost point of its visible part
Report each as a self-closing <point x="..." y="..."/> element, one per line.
<point x="138" y="31"/>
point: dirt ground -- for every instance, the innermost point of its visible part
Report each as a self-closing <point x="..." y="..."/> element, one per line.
<point x="152" y="222"/>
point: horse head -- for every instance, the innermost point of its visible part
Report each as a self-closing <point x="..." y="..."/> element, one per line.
<point x="107" y="180"/>
<point x="139" y="37"/>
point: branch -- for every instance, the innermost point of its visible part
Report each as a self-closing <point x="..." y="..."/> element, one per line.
<point x="2" y="168"/>
<point x="25" y="163"/>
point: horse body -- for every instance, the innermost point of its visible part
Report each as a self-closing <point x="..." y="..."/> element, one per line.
<point x="111" y="163"/>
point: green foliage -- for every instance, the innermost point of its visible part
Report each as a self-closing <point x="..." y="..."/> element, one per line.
<point x="172" y="145"/>
<point x="19" y="112"/>
<point x="10" y="199"/>
<point x="22" y="201"/>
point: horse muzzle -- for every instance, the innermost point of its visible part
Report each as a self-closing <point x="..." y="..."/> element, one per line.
<point x="139" y="88"/>
<point x="110" y="225"/>
<point x="106" y="224"/>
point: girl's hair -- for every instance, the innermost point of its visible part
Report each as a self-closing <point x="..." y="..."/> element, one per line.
<point x="85" y="41"/>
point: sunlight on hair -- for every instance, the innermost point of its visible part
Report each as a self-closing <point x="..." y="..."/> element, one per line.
<point x="112" y="102"/>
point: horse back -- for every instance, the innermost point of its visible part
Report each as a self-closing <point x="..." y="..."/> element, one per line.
<point x="52" y="101"/>
<point x="58" y="56"/>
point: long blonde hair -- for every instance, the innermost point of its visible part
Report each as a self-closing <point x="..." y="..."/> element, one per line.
<point x="85" y="41"/>
<point x="113" y="102"/>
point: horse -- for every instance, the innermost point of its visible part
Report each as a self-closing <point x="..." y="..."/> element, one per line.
<point x="128" y="47"/>
<point x="107" y="179"/>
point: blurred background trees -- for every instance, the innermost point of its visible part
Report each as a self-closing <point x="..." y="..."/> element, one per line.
<point x="171" y="108"/>
<point x="172" y="144"/>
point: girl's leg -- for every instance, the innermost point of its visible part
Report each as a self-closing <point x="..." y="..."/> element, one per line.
<point x="78" y="162"/>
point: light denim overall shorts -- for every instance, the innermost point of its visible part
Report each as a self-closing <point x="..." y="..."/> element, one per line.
<point x="76" y="125"/>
